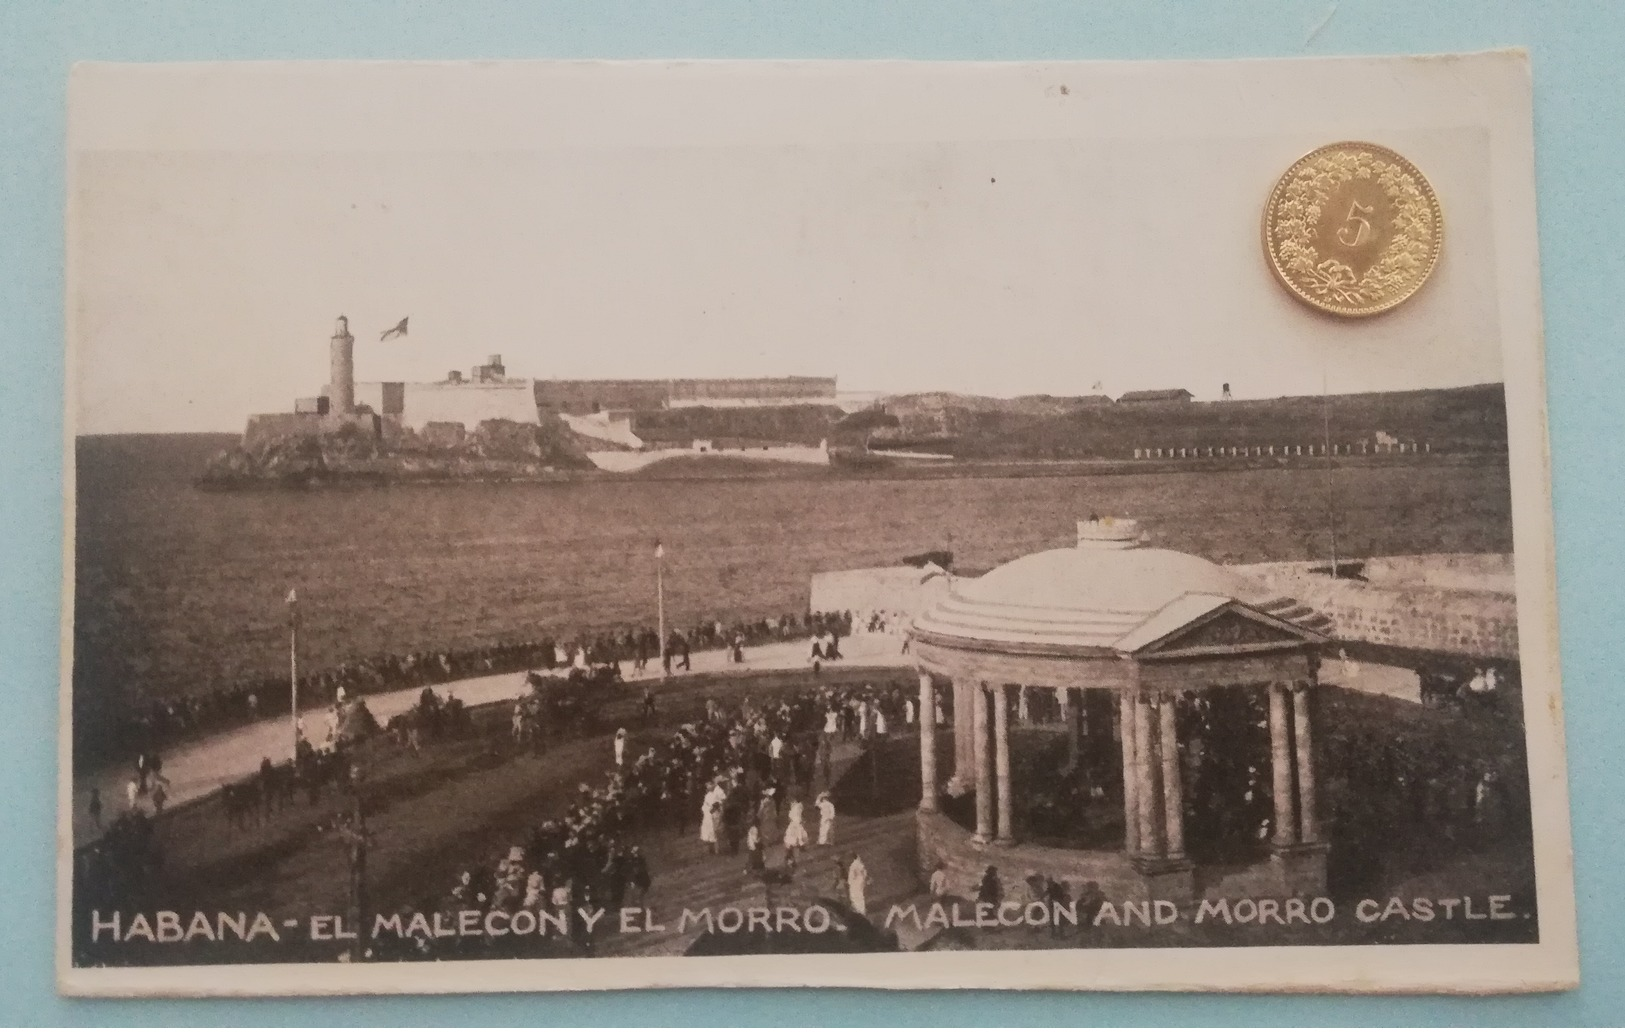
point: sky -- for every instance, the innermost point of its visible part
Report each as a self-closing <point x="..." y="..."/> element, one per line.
<point x="205" y="281"/>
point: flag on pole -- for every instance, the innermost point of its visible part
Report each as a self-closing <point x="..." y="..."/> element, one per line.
<point x="398" y="330"/>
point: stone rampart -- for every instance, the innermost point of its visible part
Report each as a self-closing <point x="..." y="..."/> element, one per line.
<point x="1455" y="604"/>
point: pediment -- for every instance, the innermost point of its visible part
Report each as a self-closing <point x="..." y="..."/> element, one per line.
<point x="1218" y="627"/>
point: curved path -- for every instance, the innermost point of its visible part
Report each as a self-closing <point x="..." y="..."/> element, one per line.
<point x="199" y="767"/>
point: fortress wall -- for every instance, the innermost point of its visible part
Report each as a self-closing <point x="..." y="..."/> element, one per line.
<point x="468" y="403"/>
<point x="786" y="390"/>
<point x="738" y="403"/>
<point x="1411" y="613"/>
<point x="583" y="397"/>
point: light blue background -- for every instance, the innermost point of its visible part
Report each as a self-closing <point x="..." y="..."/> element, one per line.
<point x="1580" y="130"/>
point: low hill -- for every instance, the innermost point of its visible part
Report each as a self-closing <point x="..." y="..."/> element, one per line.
<point x="1469" y="419"/>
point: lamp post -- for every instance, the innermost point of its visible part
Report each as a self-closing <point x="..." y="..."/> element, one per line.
<point x="660" y="606"/>
<point x="352" y="830"/>
<point x="293" y="665"/>
<point x="1326" y="453"/>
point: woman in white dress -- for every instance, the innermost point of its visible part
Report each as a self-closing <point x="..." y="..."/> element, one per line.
<point x="710" y="810"/>
<point x="857" y="886"/>
<point x="795" y="834"/>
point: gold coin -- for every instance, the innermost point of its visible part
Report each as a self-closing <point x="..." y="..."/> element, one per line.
<point x="1353" y="229"/>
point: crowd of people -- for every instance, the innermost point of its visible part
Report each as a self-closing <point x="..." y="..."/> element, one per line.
<point x="1420" y="779"/>
<point x="1401" y="799"/>
<point x="1475" y="688"/>
<point x="741" y="777"/>
<point x="156" y="722"/>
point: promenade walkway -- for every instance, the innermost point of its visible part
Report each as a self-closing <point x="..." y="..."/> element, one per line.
<point x="199" y="767"/>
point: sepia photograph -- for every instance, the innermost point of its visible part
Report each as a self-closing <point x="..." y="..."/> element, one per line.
<point x="597" y="524"/>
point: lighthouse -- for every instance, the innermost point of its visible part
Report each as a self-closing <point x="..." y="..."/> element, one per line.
<point x="341" y="374"/>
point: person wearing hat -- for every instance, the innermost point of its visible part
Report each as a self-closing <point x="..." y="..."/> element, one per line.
<point x="1037" y="886"/>
<point x="826" y="819"/>
<point x="767" y="816"/>
<point x="754" y="861"/>
<point x="990" y="890"/>
<point x="637" y="872"/>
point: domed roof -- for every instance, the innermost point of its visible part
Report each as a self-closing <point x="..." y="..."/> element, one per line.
<point x="1094" y="595"/>
<point x="1134" y="580"/>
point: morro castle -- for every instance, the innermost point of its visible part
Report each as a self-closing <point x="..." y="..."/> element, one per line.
<point x="486" y="424"/>
<point x="487" y="392"/>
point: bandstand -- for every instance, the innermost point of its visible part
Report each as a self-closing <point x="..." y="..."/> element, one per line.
<point x="1124" y="638"/>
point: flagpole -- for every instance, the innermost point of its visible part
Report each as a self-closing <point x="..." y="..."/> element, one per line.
<point x="293" y="665"/>
<point x="660" y="605"/>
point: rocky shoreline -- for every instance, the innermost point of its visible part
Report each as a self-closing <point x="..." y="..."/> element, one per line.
<point x="496" y="450"/>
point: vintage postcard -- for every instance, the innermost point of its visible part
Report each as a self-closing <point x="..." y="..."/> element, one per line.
<point x="914" y="525"/>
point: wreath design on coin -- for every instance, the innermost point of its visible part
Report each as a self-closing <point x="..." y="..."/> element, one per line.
<point x="1403" y="263"/>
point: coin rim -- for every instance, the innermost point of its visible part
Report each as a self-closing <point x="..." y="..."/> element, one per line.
<point x="1369" y="310"/>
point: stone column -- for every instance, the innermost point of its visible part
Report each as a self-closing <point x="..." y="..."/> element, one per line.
<point x="1286" y="825"/>
<point x="984" y="763"/>
<point x="1074" y="731"/>
<point x="964" y="775"/>
<point x="1001" y="767"/>
<point x="928" y="744"/>
<point x="1131" y="775"/>
<point x="1145" y="755"/>
<point x="1173" y="795"/>
<point x="1308" y="823"/>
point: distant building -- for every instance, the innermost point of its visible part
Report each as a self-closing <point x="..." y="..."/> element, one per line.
<point x="1178" y="394"/>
